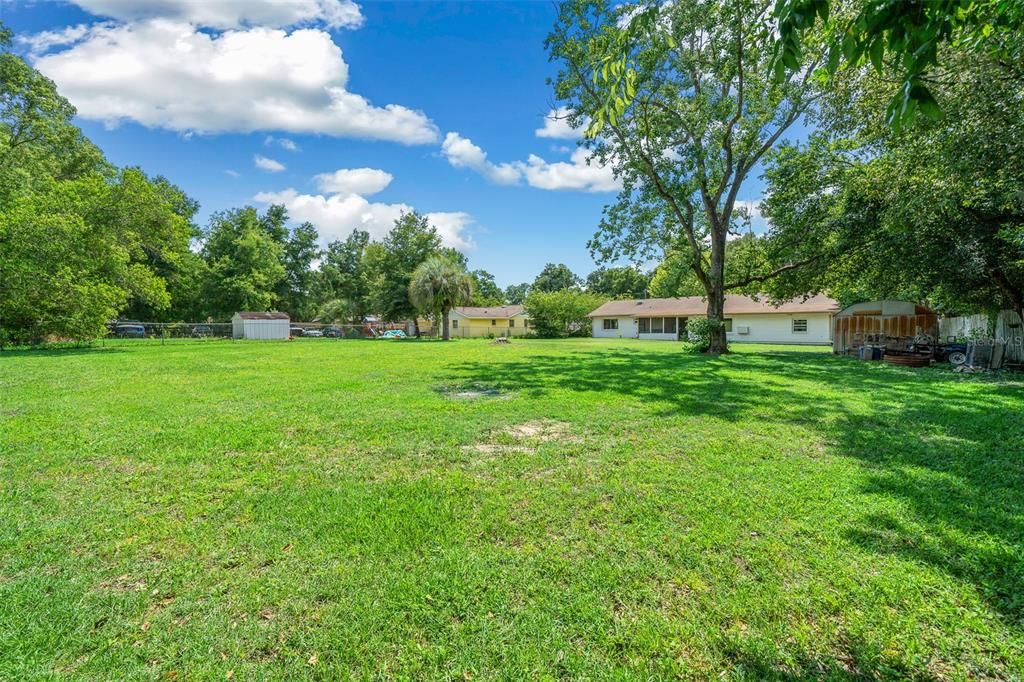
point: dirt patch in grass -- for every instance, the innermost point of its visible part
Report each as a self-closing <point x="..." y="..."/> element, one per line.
<point x="123" y="583"/>
<point x="543" y="430"/>
<point x="471" y="392"/>
<point x="496" y="448"/>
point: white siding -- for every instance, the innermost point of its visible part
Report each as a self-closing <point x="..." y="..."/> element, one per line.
<point x="626" y="330"/>
<point x="763" y="328"/>
<point x="778" y="328"/>
<point x="260" y="329"/>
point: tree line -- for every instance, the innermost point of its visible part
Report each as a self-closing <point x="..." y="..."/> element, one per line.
<point x="83" y="242"/>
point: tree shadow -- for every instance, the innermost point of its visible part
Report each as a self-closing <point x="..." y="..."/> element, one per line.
<point x="951" y="455"/>
<point x="57" y="351"/>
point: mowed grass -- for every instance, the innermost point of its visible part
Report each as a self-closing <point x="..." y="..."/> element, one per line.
<point x="550" y="509"/>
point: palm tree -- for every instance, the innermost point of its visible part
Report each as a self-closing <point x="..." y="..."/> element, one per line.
<point x="437" y="286"/>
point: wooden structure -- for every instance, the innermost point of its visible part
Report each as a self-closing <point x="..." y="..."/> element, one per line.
<point x="892" y="325"/>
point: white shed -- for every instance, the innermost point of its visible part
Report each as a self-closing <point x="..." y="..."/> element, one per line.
<point x="250" y="325"/>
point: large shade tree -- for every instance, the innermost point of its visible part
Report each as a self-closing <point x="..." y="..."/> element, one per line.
<point x="437" y="285"/>
<point x="679" y="99"/>
<point x="931" y="212"/>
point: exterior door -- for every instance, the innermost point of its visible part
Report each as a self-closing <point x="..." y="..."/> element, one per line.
<point x="681" y="329"/>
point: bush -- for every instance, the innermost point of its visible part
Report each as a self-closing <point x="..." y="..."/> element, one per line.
<point x="559" y="314"/>
<point x="698" y="333"/>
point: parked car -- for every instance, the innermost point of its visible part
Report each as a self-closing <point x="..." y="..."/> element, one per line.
<point x="394" y="334"/>
<point x="201" y="331"/>
<point x="313" y="333"/>
<point x="130" y="331"/>
<point x="334" y="332"/>
<point x="295" y="331"/>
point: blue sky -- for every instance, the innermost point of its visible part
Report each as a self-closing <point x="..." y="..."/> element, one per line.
<point x="197" y="91"/>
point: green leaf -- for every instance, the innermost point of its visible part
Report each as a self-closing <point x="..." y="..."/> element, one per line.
<point x="876" y="53"/>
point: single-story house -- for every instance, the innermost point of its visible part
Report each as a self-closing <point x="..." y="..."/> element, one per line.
<point x="498" y="320"/>
<point x="746" y="319"/>
<point x="256" y="325"/>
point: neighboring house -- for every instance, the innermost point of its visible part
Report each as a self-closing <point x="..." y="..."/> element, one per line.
<point x="253" y="325"/>
<point x="499" y="320"/>
<point x="746" y="320"/>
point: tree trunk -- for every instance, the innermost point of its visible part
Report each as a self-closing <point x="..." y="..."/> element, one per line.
<point x="716" y="294"/>
<point x="415" y="327"/>
<point x="444" y="325"/>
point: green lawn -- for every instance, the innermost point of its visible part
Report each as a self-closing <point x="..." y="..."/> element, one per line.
<point x="581" y="509"/>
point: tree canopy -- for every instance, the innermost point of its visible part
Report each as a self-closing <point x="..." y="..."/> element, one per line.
<point x="555" y="277"/>
<point x="680" y="102"/>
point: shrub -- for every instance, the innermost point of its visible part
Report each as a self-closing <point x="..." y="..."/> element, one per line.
<point x="558" y="314"/>
<point x="698" y="333"/>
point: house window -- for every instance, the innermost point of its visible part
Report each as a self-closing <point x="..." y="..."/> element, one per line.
<point x="611" y="324"/>
<point x="799" y="326"/>
<point x="727" y="323"/>
<point x="645" y="325"/>
<point x="670" y="325"/>
<point x="455" y="324"/>
<point x="656" y="325"/>
<point x="511" y="323"/>
<point x="494" y="323"/>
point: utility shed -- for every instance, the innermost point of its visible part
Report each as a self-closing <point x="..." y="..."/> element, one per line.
<point x="253" y="325"/>
<point x="890" y="324"/>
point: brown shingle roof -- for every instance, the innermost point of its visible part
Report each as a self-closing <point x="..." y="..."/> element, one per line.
<point x="248" y="315"/>
<point x="498" y="311"/>
<point x="695" y="305"/>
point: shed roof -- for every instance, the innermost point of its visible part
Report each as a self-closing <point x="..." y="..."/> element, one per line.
<point x="249" y="315"/>
<point x="696" y="305"/>
<point x="498" y="311"/>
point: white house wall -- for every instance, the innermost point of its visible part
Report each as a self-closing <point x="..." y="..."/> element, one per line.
<point x="778" y="328"/>
<point x="763" y="328"/>
<point x="626" y="330"/>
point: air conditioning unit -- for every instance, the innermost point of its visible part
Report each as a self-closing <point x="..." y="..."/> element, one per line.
<point x="742" y="329"/>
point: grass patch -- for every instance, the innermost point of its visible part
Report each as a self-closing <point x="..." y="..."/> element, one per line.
<point x="323" y="509"/>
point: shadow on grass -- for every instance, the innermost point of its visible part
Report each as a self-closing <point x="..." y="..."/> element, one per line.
<point x="952" y="455"/>
<point x="53" y="350"/>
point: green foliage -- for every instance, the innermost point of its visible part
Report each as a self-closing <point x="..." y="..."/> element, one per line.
<point x="340" y="311"/>
<point x="555" y="277"/>
<point x="515" y="294"/>
<point x="699" y="331"/>
<point x="555" y="314"/>
<point x="621" y="282"/>
<point x="932" y="213"/>
<point x="411" y="241"/>
<point x="900" y="36"/>
<point x="485" y="291"/>
<point x="343" y="273"/>
<point x="437" y="285"/>
<point x="244" y="261"/>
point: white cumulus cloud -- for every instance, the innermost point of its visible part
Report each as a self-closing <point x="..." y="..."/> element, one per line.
<point x="166" y="73"/>
<point x="340" y="209"/>
<point x="579" y="173"/>
<point x="269" y="165"/>
<point x="557" y="127"/>
<point x="462" y="153"/>
<point x="232" y="13"/>
<point x="282" y="142"/>
<point x="363" y="181"/>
